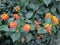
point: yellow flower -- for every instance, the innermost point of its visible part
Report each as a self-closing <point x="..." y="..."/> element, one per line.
<point x="46" y="25"/>
<point x="50" y="25"/>
<point x="55" y="19"/>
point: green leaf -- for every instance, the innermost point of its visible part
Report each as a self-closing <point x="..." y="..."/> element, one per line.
<point x="47" y="2"/>
<point x="22" y="1"/>
<point x="28" y="37"/>
<point x="15" y="36"/>
<point x="33" y="6"/>
<point x="32" y="26"/>
<point x="24" y="10"/>
<point x="29" y="14"/>
<point x="0" y="22"/>
<point x="26" y="2"/>
<point x="48" y="20"/>
<point x="54" y="28"/>
<point x="12" y="30"/>
<point x="10" y="20"/>
<point x="40" y="12"/>
<point x="58" y="7"/>
<point x="4" y="28"/>
<point x="53" y="9"/>
<point x="28" y="21"/>
<point x="41" y="3"/>
<point x="22" y="30"/>
<point x="42" y="30"/>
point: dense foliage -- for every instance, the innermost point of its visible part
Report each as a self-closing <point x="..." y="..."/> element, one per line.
<point x="29" y="22"/>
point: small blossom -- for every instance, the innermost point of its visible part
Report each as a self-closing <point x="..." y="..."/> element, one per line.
<point x="4" y="16"/>
<point x="13" y="25"/>
<point x="16" y="16"/>
<point x="17" y="8"/>
<point x="48" y="15"/>
<point x="48" y="26"/>
<point x="27" y="27"/>
<point x="55" y="19"/>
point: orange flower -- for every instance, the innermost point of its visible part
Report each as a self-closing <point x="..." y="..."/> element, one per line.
<point x="36" y="22"/>
<point x="48" y="15"/>
<point x="17" y="8"/>
<point x="13" y="25"/>
<point x="27" y="27"/>
<point x="4" y="16"/>
<point x="16" y="16"/>
<point x="55" y="19"/>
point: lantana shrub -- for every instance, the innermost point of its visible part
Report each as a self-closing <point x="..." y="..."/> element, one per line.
<point x="29" y="22"/>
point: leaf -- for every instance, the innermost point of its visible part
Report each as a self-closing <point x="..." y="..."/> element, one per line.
<point x="42" y="30"/>
<point x="29" y="14"/>
<point x="54" y="29"/>
<point x="24" y="9"/>
<point x="26" y="2"/>
<point x="28" y="37"/>
<point x="10" y="20"/>
<point x="32" y="26"/>
<point x="22" y="30"/>
<point x="47" y="2"/>
<point x="22" y="1"/>
<point x="48" y="20"/>
<point x="15" y="36"/>
<point x="33" y="6"/>
<point x="53" y="9"/>
<point x="12" y="30"/>
<point x="41" y="3"/>
<point x="58" y="7"/>
<point x="28" y="21"/>
<point x="4" y="28"/>
<point x="40" y="12"/>
<point x="0" y="22"/>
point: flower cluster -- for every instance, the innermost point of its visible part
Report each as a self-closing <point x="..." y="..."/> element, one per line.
<point x="4" y="16"/>
<point x="13" y="24"/>
<point x="27" y="21"/>
<point x="53" y="18"/>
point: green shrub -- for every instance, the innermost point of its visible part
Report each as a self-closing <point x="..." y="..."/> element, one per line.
<point x="29" y="22"/>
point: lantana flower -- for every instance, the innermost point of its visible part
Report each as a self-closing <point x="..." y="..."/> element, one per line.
<point x="4" y="16"/>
